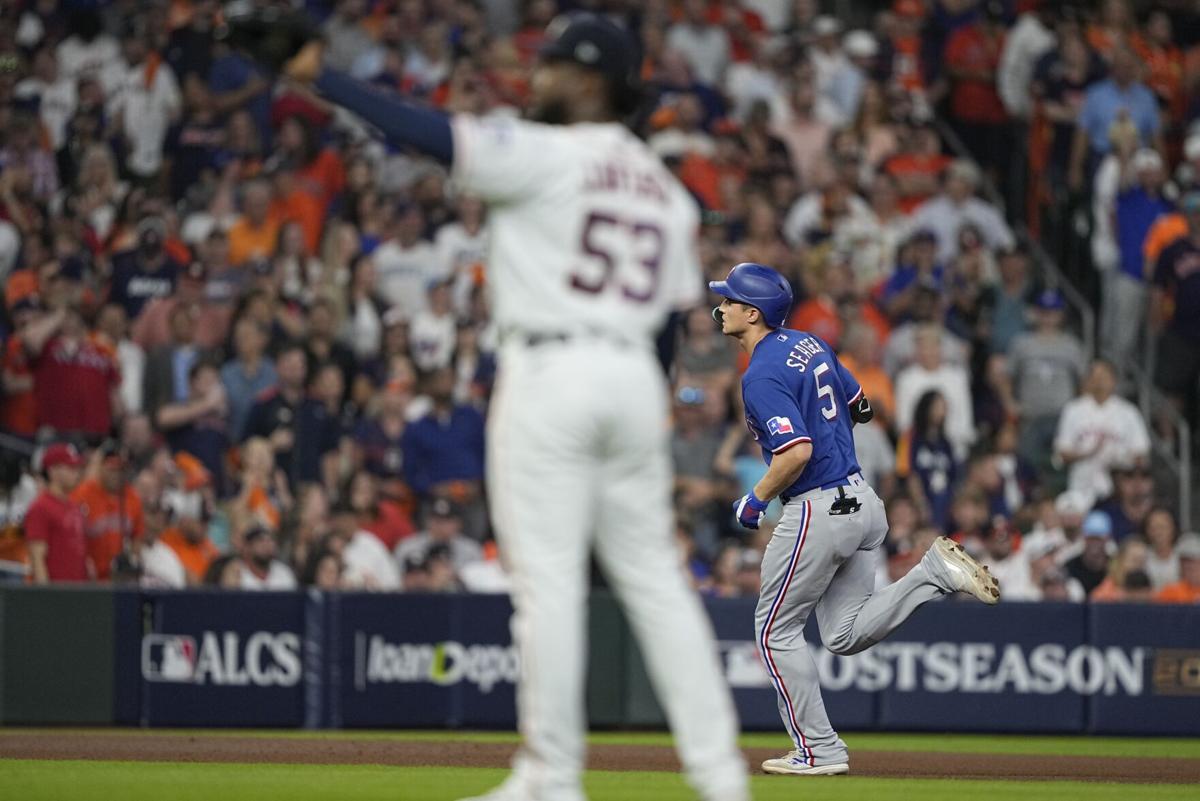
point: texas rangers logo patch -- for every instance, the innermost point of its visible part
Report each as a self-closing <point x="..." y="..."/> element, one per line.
<point x="780" y="425"/>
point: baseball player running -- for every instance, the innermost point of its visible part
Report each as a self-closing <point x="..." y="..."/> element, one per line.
<point x="801" y="404"/>
<point x="592" y="247"/>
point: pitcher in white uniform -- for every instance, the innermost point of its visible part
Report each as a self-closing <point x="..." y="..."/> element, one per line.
<point x="592" y="246"/>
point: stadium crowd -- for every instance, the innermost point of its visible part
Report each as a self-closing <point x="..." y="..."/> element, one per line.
<point x="252" y="343"/>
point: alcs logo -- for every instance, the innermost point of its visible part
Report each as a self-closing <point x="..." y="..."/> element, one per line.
<point x="265" y="659"/>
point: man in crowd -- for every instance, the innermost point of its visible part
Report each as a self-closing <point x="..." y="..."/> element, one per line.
<point x="54" y="526"/>
<point x="112" y="511"/>
<point x="1098" y="430"/>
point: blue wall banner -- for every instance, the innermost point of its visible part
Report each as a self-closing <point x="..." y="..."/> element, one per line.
<point x="221" y="659"/>
<point x="434" y="660"/>
<point x="330" y="660"/>
<point x="1145" y="669"/>
<point x="958" y="666"/>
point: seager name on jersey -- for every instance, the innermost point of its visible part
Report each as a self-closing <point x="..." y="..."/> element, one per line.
<point x="610" y="176"/>
<point x="802" y="353"/>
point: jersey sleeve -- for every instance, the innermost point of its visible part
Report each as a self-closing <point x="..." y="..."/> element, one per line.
<point x="503" y="158"/>
<point x="775" y="412"/>
<point x="684" y="282"/>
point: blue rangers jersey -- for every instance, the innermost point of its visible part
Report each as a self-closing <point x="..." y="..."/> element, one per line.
<point x="796" y="390"/>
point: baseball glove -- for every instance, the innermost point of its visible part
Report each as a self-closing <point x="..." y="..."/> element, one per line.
<point x="270" y="36"/>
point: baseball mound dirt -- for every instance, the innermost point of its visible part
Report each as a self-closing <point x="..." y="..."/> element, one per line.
<point x="110" y="745"/>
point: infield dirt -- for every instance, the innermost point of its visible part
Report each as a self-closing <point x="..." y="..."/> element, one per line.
<point x="109" y="745"/>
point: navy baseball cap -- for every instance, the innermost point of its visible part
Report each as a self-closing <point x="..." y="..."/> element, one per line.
<point x="598" y="43"/>
<point x="1050" y="300"/>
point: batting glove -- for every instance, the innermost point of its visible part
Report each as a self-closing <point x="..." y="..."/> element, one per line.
<point x="749" y="510"/>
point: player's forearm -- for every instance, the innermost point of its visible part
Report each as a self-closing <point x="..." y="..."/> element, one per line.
<point x="785" y="468"/>
<point x="403" y="123"/>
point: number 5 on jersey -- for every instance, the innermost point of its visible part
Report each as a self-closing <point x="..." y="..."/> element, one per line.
<point x="825" y="391"/>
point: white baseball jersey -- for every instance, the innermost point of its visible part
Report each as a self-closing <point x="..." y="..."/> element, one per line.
<point x="1114" y="430"/>
<point x="589" y="231"/>
<point x="592" y="238"/>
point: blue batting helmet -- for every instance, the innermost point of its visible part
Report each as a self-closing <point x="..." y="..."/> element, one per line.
<point x="758" y="286"/>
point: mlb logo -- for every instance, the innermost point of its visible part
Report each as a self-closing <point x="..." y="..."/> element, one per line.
<point x="780" y="425"/>
<point x="168" y="657"/>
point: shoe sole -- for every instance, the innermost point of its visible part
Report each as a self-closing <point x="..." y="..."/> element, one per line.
<point x="839" y="769"/>
<point x="980" y="583"/>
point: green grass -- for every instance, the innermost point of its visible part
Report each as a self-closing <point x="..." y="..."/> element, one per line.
<point x="100" y="781"/>
<point x="1167" y="747"/>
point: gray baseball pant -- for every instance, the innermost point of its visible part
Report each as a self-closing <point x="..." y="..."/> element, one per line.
<point x="817" y="560"/>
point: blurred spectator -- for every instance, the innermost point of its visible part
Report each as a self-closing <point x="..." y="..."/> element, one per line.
<point x="705" y="45"/>
<point x="260" y="570"/>
<point x="198" y="424"/>
<point x="860" y="354"/>
<point x="323" y="571"/>
<point x="160" y="565"/>
<point x="262" y="496"/>
<point x="972" y="61"/>
<point x="1010" y="298"/>
<point x="382" y="516"/>
<point x="918" y="165"/>
<point x="1187" y="589"/>
<point x="55" y="94"/>
<point x="76" y="381"/>
<point x="1030" y="38"/>
<point x="443" y="529"/>
<point x="169" y="366"/>
<point x="1177" y="277"/>
<point x="1097" y="431"/>
<point x="1118" y="98"/>
<point x="1008" y="562"/>
<point x="145" y="272"/>
<point x="112" y="330"/>
<point x="321" y="428"/>
<point x="405" y="264"/>
<point x="112" y="511"/>
<point x="444" y="449"/>
<point x="1090" y="567"/>
<point x="187" y="532"/>
<point x="155" y="326"/>
<point x="1047" y="366"/>
<point x="275" y="412"/>
<point x="1055" y="585"/>
<point x="368" y="564"/>
<point x="694" y="447"/>
<point x="926" y="460"/>
<point x="256" y="232"/>
<point x="18" y="409"/>
<point x="1139" y="203"/>
<point x="1131" y="501"/>
<point x="144" y="101"/>
<point x="1160" y="530"/>
<point x="433" y="332"/>
<point x="1127" y="579"/>
<point x="956" y="206"/>
<point x="1060" y="81"/>
<point x="248" y="374"/>
<point x="930" y="371"/>
<point x="54" y="523"/>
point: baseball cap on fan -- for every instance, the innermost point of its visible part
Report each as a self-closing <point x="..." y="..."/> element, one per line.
<point x="596" y="42"/>
<point x="62" y="454"/>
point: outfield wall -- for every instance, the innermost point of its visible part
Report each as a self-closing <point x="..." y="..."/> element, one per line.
<point x="334" y="660"/>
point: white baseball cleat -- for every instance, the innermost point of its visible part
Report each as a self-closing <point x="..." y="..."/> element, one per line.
<point x="793" y="764"/>
<point x="964" y="574"/>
